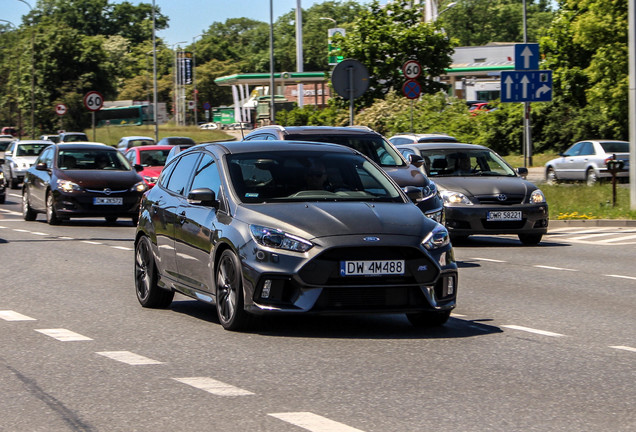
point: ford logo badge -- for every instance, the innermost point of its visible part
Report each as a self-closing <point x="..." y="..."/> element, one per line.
<point x="371" y="239"/>
<point x="502" y="197"/>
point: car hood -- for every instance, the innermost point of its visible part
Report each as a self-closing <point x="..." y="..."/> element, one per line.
<point x="151" y="171"/>
<point x="114" y="180"/>
<point x="407" y="176"/>
<point x="474" y="186"/>
<point x="29" y="160"/>
<point x="321" y="219"/>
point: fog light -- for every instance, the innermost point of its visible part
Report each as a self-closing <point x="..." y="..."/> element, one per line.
<point x="450" y="286"/>
<point x="267" y="286"/>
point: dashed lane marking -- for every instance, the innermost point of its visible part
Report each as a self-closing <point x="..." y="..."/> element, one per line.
<point x="624" y="348"/>
<point x="213" y="386"/>
<point x="621" y="276"/>
<point x="129" y="358"/>
<point x="489" y="260"/>
<point x="313" y="422"/>
<point x="122" y="248"/>
<point x="91" y="242"/>
<point x="63" y="335"/>
<point x="531" y="330"/>
<point x="554" y="268"/>
<point x="9" y="315"/>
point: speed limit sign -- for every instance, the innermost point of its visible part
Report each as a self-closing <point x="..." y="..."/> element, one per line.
<point x="411" y="69"/>
<point x="93" y="101"/>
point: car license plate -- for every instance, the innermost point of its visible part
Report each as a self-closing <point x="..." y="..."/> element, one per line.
<point x="505" y="215"/>
<point x="372" y="268"/>
<point x="108" y="201"/>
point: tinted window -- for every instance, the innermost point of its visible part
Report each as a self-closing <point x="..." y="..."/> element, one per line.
<point x="207" y="175"/>
<point x="615" y="147"/>
<point x="587" y="149"/>
<point x="30" y="149"/>
<point x="465" y="162"/>
<point x="575" y="150"/>
<point x="181" y="173"/>
<point x="92" y="159"/>
<point x="47" y="157"/>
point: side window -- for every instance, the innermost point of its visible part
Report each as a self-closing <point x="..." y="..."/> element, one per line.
<point x="10" y="148"/>
<point x="131" y="157"/>
<point x="575" y="150"/>
<point x="47" y="157"/>
<point x="254" y="137"/>
<point x="207" y="175"/>
<point x="587" y="149"/>
<point x="178" y="181"/>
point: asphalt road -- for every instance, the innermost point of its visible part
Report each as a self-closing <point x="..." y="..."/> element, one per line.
<point x="542" y="340"/>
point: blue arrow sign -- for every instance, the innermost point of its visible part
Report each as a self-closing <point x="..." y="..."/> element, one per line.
<point x="527" y="56"/>
<point x="526" y="86"/>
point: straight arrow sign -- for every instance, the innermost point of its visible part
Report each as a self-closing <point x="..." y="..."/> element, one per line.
<point x="526" y="86"/>
<point x="526" y="54"/>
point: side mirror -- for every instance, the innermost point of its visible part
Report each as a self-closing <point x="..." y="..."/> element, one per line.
<point x="416" y="160"/>
<point x="523" y="172"/>
<point x="414" y="193"/>
<point x="204" y="197"/>
<point x="139" y="168"/>
<point x="41" y="166"/>
<point x="1" y="161"/>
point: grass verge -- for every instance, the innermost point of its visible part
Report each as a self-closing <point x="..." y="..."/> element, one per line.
<point x="578" y="201"/>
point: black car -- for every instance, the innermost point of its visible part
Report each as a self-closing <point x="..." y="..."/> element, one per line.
<point x="177" y="140"/>
<point x="290" y="227"/>
<point x="3" y="183"/>
<point x="82" y="180"/>
<point x="371" y="144"/>
<point x="482" y="193"/>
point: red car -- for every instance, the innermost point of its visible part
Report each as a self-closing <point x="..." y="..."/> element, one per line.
<point x="152" y="158"/>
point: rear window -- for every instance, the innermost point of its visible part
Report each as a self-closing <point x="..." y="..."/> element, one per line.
<point x="615" y="147"/>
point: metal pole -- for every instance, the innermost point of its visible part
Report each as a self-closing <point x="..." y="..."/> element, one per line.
<point x="527" y="160"/>
<point x="631" y="25"/>
<point x="194" y="80"/>
<point x="272" y="106"/>
<point x="299" y="50"/>
<point x="32" y="75"/>
<point x="155" y="103"/>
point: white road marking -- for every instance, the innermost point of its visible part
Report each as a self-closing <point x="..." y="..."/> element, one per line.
<point x="621" y="276"/>
<point x="9" y="315"/>
<point x="3" y="227"/>
<point x="617" y="239"/>
<point x="122" y="248"/>
<point x="63" y="335"/>
<point x="11" y="212"/>
<point x="313" y="422"/>
<point x="91" y="242"/>
<point x="129" y="357"/>
<point x="531" y="330"/>
<point x="458" y="315"/>
<point x="489" y="260"/>
<point x="20" y="230"/>
<point x="554" y="268"/>
<point x="625" y="348"/>
<point x="213" y="386"/>
<point x="66" y="238"/>
<point x="595" y="235"/>
<point x="39" y="233"/>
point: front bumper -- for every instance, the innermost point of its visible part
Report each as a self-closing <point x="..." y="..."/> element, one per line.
<point x="468" y="220"/>
<point x="315" y="286"/>
<point x="81" y="204"/>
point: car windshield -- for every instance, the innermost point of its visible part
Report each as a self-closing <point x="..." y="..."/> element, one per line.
<point x="374" y="147"/>
<point x="30" y="149"/>
<point x="308" y="176"/>
<point x="153" y="157"/>
<point x="465" y="162"/>
<point x="140" y="142"/>
<point x="92" y="160"/>
<point x="615" y="147"/>
<point x="75" y="138"/>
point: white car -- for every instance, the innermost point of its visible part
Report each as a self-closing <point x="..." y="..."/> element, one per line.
<point x="587" y="161"/>
<point x="19" y="156"/>
<point x="210" y="126"/>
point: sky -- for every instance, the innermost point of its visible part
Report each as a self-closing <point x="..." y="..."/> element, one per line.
<point x="188" y="18"/>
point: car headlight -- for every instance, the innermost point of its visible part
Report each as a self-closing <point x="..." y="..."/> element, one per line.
<point x="1" y="175"/>
<point x="277" y="239"/>
<point x="150" y="179"/>
<point x="537" y="197"/>
<point x="454" y="198"/>
<point x="139" y="187"/>
<point x="67" y="186"/>
<point x="437" y="238"/>
<point x="429" y="191"/>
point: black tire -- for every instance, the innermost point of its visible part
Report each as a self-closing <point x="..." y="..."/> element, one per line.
<point x="590" y="177"/>
<point x="148" y="292"/>
<point x="135" y="220"/>
<point x="229" y="292"/>
<point x="27" y="212"/>
<point x="428" y="319"/>
<point x="51" y="216"/>
<point x="530" y="239"/>
<point x="13" y="182"/>
<point x="3" y="198"/>
<point x="550" y="176"/>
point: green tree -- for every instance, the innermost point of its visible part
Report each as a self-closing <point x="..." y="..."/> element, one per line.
<point x="383" y="38"/>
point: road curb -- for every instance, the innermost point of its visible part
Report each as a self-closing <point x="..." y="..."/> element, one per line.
<point x="593" y="223"/>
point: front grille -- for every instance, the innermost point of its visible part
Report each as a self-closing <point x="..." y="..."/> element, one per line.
<point x="493" y="199"/>
<point x="324" y="270"/>
<point x="503" y="225"/>
<point x="103" y="191"/>
<point x="376" y="298"/>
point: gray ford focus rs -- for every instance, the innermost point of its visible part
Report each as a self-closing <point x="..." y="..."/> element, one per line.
<point x="264" y="228"/>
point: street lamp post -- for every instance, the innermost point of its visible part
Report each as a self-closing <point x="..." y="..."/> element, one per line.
<point x="194" y="79"/>
<point x="155" y="103"/>
<point x="32" y="76"/>
<point x="272" y="106"/>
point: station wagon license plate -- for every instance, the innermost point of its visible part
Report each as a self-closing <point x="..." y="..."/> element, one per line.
<point x="108" y="200"/>
<point x="504" y="215"/>
<point x="372" y="268"/>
